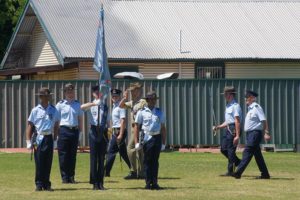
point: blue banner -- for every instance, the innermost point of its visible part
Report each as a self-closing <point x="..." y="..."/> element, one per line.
<point x="101" y="62"/>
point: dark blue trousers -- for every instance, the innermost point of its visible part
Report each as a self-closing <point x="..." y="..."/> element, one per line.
<point x="67" y="150"/>
<point x="115" y="147"/>
<point x="98" y="147"/>
<point x="228" y="149"/>
<point x="253" y="149"/>
<point x="151" y="155"/>
<point x="43" y="156"/>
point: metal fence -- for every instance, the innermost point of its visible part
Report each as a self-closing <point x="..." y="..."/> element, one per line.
<point x="186" y="103"/>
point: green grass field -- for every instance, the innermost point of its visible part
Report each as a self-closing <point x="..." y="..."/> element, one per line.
<point x="184" y="176"/>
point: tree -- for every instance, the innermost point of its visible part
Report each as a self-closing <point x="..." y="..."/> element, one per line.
<point x="10" y="11"/>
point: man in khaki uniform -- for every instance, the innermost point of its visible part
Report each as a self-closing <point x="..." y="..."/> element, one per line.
<point x="137" y="168"/>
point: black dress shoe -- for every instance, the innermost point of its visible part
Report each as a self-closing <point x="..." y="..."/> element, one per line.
<point x="131" y="175"/>
<point x="263" y="177"/>
<point x="101" y="187"/>
<point x="227" y="174"/>
<point x="49" y="189"/>
<point x="141" y="177"/>
<point x="148" y="187"/>
<point x="235" y="175"/>
<point x="38" y="189"/>
<point x="64" y="181"/>
<point x="156" y="187"/>
<point x="107" y="175"/>
<point x="96" y="187"/>
<point x="72" y="180"/>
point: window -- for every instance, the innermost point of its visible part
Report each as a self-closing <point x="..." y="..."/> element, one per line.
<point x="117" y="69"/>
<point x="209" y="70"/>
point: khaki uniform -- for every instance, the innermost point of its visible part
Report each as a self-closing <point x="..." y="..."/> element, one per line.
<point x="131" y="151"/>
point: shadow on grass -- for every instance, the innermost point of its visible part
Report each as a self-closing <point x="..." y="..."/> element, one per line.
<point x="71" y="189"/>
<point x="272" y="178"/>
<point x="168" y="178"/>
<point x="142" y="188"/>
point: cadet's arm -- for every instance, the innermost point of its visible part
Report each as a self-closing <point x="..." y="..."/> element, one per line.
<point x="221" y="125"/>
<point x="237" y="126"/>
<point x="122" y="127"/>
<point x="163" y="133"/>
<point x="87" y="106"/>
<point x="56" y="128"/>
<point x="124" y="100"/>
<point x="136" y="133"/>
<point x="29" y="130"/>
<point x="266" y="130"/>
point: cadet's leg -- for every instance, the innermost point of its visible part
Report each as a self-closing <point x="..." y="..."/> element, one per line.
<point x="261" y="162"/>
<point x="73" y="154"/>
<point x="232" y="158"/>
<point x="141" y="170"/>
<point x="156" y="153"/>
<point x="224" y="145"/>
<point x="48" y="161"/>
<point x="38" y="168"/>
<point x="253" y="140"/>
<point x="63" y="147"/>
<point x="247" y="156"/>
<point x="93" y="160"/>
<point x="122" y="150"/>
<point x="102" y="146"/>
<point x="111" y="154"/>
<point x="148" y="162"/>
<point x="132" y="153"/>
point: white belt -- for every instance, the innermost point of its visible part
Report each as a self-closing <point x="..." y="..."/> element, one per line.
<point x="153" y="133"/>
<point x="45" y="133"/>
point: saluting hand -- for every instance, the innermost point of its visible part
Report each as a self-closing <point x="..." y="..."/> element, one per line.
<point x="97" y="102"/>
<point x="125" y="94"/>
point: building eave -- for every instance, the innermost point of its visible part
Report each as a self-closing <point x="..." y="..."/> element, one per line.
<point x="14" y="35"/>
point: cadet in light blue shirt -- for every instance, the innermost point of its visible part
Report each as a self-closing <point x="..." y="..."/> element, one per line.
<point x="98" y="139"/>
<point x="119" y="133"/>
<point x="44" y="119"/>
<point x="232" y="124"/>
<point x="152" y="122"/>
<point x="255" y="118"/>
<point x="256" y="128"/>
<point x="70" y="112"/>
<point x="69" y="133"/>
<point x="233" y="110"/>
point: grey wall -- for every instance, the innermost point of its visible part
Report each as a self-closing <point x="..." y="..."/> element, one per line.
<point x="187" y="104"/>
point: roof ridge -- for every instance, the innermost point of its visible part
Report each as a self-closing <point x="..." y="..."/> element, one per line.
<point x="213" y="1"/>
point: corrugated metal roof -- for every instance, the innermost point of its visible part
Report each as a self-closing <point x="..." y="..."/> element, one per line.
<point x="216" y="29"/>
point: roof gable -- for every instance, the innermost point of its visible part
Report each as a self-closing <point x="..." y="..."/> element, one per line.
<point x="174" y="29"/>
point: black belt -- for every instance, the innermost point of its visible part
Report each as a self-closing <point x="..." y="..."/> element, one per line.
<point x="75" y="128"/>
<point x="253" y="131"/>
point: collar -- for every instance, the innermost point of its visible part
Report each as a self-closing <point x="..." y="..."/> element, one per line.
<point x="252" y="105"/>
<point x="69" y="102"/>
<point x="231" y="103"/>
<point x="41" y="107"/>
<point x="116" y="104"/>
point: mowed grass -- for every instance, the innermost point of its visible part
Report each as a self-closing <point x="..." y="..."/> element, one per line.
<point x="183" y="175"/>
